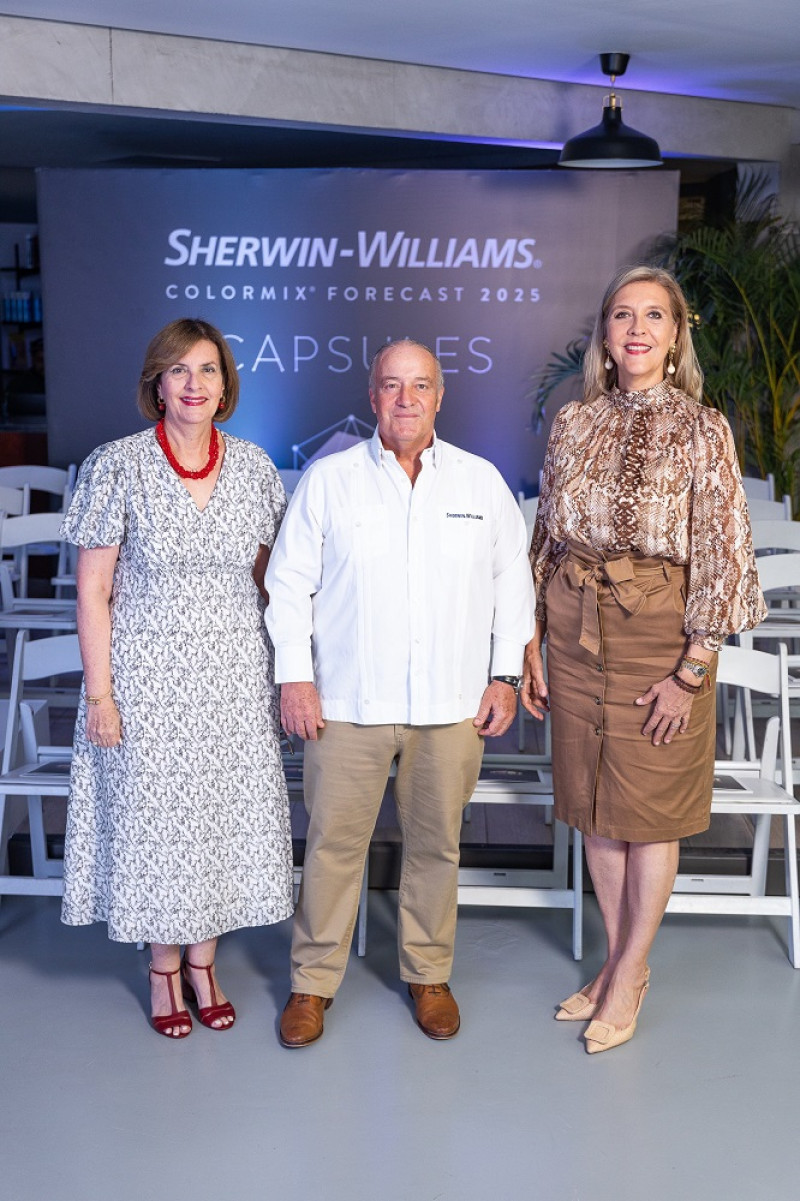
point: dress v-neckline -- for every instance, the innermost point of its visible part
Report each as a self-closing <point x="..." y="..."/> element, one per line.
<point x="181" y="485"/>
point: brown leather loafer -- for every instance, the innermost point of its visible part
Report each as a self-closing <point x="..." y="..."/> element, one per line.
<point x="302" y="1019"/>
<point x="436" y="1010"/>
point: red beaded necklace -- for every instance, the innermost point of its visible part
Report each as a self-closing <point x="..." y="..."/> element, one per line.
<point x="213" y="454"/>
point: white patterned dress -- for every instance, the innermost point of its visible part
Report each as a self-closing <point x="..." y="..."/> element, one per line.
<point x="182" y="831"/>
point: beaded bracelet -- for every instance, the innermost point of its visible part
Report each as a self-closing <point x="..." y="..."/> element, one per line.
<point x="95" y="700"/>
<point x="698" y="667"/>
<point x="692" y="689"/>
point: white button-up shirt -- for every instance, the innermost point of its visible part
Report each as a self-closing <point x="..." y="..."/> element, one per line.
<point x="395" y="600"/>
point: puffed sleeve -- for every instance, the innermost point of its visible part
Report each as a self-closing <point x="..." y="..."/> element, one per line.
<point x="273" y="496"/>
<point x="724" y="593"/>
<point x="545" y="552"/>
<point x="97" y="515"/>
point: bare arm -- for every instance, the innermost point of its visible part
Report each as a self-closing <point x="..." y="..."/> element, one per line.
<point x="533" y="693"/>
<point x="95" y="575"/>
<point x="259" y="569"/>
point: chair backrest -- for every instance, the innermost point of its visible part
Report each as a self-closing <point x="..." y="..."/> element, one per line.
<point x="777" y="571"/>
<point x="15" y="501"/>
<point x="30" y="529"/>
<point x="757" y="489"/>
<point x="770" y="510"/>
<point x="776" y="535"/>
<point x="768" y="674"/>
<point x="37" y="660"/>
<point x="7" y="596"/>
<point x="529" y="506"/>
<point x="54" y="480"/>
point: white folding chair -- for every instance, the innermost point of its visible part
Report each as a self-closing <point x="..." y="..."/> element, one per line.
<point x="776" y="535"/>
<point x="32" y="769"/>
<point x="54" y="482"/>
<point x="527" y="780"/>
<point x="529" y="506"/>
<point x="751" y="787"/>
<point x="15" y="501"/>
<point x="21" y="612"/>
<point x="770" y="510"/>
<point x="756" y="488"/>
<point x="779" y="577"/>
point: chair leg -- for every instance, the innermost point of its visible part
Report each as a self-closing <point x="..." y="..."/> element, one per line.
<point x="38" y="838"/>
<point x="758" y="874"/>
<point x="577" y="884"/>
<point x="790" y="872"/>
<point x="362" y="910"/>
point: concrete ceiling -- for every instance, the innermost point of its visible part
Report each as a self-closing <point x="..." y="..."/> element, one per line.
<point x="728" y="49"/>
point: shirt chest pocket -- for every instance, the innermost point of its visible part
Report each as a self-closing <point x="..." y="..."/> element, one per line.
<point x="462" y="535"/>
<point x="360" y="531"/>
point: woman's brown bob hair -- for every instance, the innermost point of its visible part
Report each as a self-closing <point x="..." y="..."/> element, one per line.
<point x="599" y="379"/>
<point x="168" y="348"/>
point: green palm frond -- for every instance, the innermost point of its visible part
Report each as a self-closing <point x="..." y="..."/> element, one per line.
<point x="557" y="369"/>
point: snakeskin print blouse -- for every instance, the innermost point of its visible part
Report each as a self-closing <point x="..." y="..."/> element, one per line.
<point x="657" y="473"/>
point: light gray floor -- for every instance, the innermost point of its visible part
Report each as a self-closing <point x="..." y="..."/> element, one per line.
<point x="703" y="1104"/>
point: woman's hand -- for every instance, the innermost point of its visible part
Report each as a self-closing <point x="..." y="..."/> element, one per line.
<point x="671" y="709"/>
<point x="533" y="692"/>
<point x="103" y="724"/>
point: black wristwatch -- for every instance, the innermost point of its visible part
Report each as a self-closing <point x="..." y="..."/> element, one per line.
<point x="513" y="681"/>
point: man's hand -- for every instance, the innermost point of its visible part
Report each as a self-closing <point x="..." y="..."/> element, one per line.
<point x="497" y="710"/>
<point x="301" y="712"/>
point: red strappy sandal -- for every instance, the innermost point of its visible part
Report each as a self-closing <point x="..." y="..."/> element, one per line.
<point x="208" y="1014"/>
<point x="178" y="1017"/>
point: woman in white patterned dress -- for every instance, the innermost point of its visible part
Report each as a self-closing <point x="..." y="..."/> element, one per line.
<point x="643" y="564"/>
<point x="178" y="821"/>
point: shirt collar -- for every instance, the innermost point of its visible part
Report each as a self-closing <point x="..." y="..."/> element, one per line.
<point x="431" y="454"/>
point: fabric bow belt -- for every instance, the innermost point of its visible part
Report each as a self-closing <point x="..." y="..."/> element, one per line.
<point x="621" y="579"/>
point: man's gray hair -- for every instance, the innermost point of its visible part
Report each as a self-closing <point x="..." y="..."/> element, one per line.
<point x="376" y="361"/>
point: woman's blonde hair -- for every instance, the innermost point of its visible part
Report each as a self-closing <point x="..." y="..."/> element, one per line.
<point x="599" y="379"/>
<point x="168" y="347"/>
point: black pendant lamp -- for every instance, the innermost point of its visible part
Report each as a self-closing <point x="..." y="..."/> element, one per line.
<point x="611" y="144"/>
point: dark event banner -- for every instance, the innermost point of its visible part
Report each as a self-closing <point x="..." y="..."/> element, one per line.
<point x="308" y="272"/>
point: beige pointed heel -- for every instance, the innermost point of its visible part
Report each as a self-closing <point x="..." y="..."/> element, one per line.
<point x="602" y="1036"/>
<point x="577" y="1008"/>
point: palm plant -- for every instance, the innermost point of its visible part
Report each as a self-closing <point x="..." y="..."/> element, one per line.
<point x="559" y="367"/>
<point x="742" y="282"/>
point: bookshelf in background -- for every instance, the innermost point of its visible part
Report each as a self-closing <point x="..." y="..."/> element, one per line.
<point x="21" y="343"/>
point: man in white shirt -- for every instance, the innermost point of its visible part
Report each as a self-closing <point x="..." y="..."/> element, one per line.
<point x="401" y="602"/>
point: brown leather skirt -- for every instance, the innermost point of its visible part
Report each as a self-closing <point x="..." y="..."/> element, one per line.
<point x="614" y="628"/>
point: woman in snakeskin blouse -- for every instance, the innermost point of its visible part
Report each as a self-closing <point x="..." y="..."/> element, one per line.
<point x="643" y="564"/>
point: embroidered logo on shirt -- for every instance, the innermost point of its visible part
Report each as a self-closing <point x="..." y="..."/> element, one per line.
<point x="467" y="516"/>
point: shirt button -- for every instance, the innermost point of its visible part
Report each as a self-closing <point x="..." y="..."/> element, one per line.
<point x="598" y="700"/>
<point x="599" y="666"/>
<point x="598" y="731"/>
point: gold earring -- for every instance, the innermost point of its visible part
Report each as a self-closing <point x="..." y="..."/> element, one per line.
<point x="670" y="356"/>
<point x="609" y="363"/>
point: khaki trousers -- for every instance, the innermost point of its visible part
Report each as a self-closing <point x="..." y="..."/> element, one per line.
<point x="345" y="774"/>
